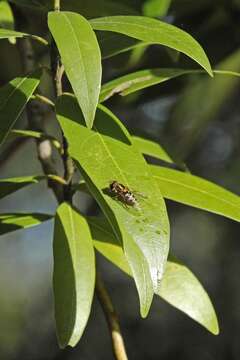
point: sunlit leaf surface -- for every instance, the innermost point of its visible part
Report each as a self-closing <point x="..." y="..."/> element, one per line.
<point x="81" y="57"/>
<point x="155" y="32"/>
<point x="104" y="154"/>
<point x="198" y="192"/>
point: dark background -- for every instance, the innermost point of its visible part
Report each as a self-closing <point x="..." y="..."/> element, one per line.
<point x="197" y="120"/>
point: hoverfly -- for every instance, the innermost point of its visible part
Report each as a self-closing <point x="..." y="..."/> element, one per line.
<point x="122" y="193"/>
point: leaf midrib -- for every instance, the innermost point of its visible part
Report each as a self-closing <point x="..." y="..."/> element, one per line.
<point x="144" y="27"/>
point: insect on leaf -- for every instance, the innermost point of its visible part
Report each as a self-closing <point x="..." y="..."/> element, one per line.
<point x="103" y="154"/>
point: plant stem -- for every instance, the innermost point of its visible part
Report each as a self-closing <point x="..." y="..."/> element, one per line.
<point x="43" y="99"/>
<point x="36" y="114"/>
<point x="103" y="296"/>
<point x="57" y="72"/>
<point x="57" y="5"/>
<point x="112" y="320"/>
<point x="39" y="39"/>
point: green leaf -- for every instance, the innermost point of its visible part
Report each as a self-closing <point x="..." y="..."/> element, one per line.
<point x="155" y="32"/>
<point x="142" y="79"/>
<point x="13" y="222"/>
<point x="8" y="186"/>
<point x="13" y="98"/>
<point x="7" y="18"/>
<point x="151" y="148"/>
<point x="8" y="33"/>
<point x="132" y="256"/>
<point x="105" y="154"/>
<point x="6" y="15"/>
<point x="81" y="57"/>
<point x="179" y="287"/>
<point x="106" y="242"/>
<point x="154" y="8"/>
<point x="195" y="191"/>
<point x="73" y="274"/>
<point x="139" y="80"/>
<point x="36" y="135"/>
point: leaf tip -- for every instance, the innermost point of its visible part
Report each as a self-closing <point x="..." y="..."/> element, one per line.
<point x="144" y="309"/>
<point x="144" y="312"/>
<point x="214" y="328"/>
<point x="210" y="72"/>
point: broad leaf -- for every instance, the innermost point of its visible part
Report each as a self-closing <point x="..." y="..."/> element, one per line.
<point x="155" y="32"/>
<point x="8" y="186"/>
<point x="139" y="80"/>
<point x="13" y="98"/>
<point x="151" y="148"/>
<point x="81" y="57"/>
<point x="105" y="154"/>
<point x="7" y="18"/>
<point x="73" y="275"/>
<point x="13" y="222"/>
<point x="142" y="79"/>
<point x="195" y="191"/>
<point x="6" y="15"/>
<point x="179" y="287"/>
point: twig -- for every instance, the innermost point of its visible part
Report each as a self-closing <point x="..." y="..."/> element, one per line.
<point x="112" y="320"/>
<point x="39" y="39"/>
<point x="36" y="114"/>
<point x="58" y="77"/>
<point x="57" y="5"/>
<point x="43" y="99"/>
<point x="58" y="71"/>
